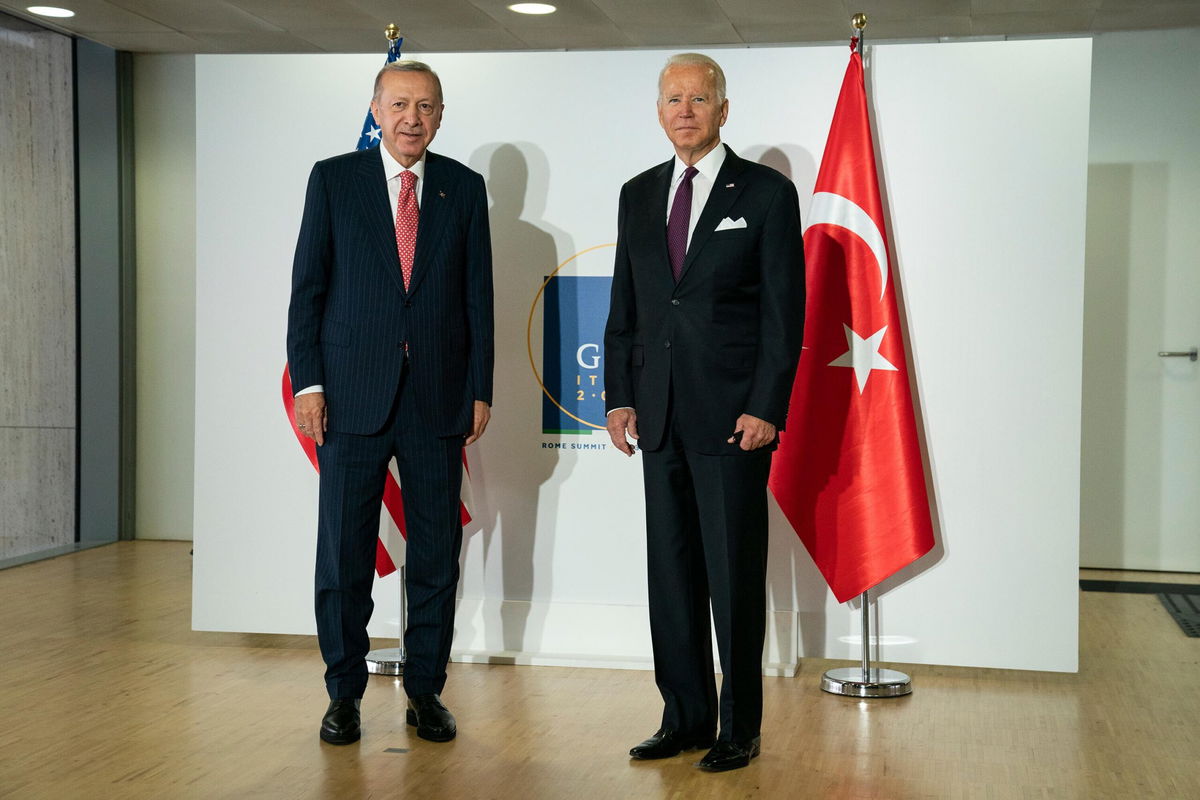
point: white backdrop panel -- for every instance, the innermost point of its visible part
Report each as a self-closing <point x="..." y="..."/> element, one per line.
<point x="985" y="180"/>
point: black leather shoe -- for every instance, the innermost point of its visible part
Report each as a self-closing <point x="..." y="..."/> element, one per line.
<point x="340" y="723"/>
<point x="730" y="755"/>
<point x="666" y="743"/>
<point x="433" y="720"/>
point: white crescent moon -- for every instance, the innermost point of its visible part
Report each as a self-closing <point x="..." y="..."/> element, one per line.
<point x="833" y="209"/>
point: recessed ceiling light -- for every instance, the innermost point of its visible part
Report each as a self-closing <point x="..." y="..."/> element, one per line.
<point x="532" y="8"/>
<point x="50" y="11"/>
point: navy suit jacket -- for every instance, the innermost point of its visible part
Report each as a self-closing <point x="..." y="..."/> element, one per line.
<point x="723" y="341"/>
<point x="351" y="319"/>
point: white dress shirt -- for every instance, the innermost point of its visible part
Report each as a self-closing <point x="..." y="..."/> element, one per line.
<point x="706" y="175"/>
<point x="392" y="168"/>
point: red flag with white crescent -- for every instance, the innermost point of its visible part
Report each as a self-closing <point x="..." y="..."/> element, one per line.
<point x="848" y="472"/>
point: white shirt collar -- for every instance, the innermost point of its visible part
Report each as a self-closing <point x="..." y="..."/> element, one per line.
<point x="708" y="166"/>
<point x="392" y="167"/>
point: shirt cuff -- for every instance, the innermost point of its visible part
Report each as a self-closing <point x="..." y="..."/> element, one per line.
<point x="316" y="387"/>
<point x="619" y="408"/>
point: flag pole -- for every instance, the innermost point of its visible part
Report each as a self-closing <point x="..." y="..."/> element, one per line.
<point x="865" y="681"/>
<point x="865" y="630"/>
<point x="390" y="660"/>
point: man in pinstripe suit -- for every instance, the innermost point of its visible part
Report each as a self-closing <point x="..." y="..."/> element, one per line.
<point x="390" y="335"/>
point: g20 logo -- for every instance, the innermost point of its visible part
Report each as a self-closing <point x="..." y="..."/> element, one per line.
<point x="573" y="301"/>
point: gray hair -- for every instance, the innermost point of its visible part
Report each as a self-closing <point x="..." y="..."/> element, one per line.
<point x="696" y="60"/>
<point x="407" y="65"/>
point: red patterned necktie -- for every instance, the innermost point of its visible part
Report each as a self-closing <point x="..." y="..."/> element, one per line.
<point x="407" y="214"/>
<point x="679" y="221"/>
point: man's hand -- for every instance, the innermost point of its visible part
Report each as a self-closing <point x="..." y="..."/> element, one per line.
<point x="755" y="432"/>
<point x="483" y="413"/>
<point x="620" y="422"/>
<point x="310" y="415"/>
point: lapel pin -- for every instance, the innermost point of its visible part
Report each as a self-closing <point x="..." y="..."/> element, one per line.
<point x="442" y="195"/>
<point x="729" y="186"/>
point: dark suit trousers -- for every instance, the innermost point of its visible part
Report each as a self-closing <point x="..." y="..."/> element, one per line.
<point x="706" y="531"/>
<point x="353" y="471"/>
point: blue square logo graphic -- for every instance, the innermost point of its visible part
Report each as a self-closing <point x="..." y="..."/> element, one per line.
<point x="575" y="312"/>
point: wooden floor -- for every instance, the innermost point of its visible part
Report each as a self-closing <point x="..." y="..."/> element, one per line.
<point x="105" y="692"/>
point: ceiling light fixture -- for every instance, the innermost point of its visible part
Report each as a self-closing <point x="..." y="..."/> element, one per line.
<point x="532" y="8"/>
<point x="50" y="11"/>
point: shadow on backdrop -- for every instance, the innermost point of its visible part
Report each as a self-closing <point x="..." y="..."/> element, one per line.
<point x="525" y="249"/>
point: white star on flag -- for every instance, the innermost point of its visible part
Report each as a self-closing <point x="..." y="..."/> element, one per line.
<point x="373" y="133"/>
<point x="863" y="356"/>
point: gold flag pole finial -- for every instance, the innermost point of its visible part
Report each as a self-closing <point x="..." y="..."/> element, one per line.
<point x="859" y="21"/>
<point x="391" y="32"/>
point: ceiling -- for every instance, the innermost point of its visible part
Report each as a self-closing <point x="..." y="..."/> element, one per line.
<point x="356" y="26"/>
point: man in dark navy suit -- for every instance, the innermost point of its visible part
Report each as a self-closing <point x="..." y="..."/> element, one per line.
<point x="390" y="341"/>
<point x="701" y="348"/>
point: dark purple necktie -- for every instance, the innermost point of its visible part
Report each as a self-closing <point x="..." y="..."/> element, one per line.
<point x="677" y="223"/>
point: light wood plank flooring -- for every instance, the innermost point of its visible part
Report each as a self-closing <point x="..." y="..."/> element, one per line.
<point x="105" y="692"/>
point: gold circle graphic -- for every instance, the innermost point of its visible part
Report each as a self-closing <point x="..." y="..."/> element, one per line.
<point x="529" y="333"/>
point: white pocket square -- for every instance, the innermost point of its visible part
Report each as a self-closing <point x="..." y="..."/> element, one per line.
<point x="728" y="224"/>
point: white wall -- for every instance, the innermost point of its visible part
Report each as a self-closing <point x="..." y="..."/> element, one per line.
<point x="164" y="99"/>
<point x="1141" y="435"/>
<point x="985" y="180"/>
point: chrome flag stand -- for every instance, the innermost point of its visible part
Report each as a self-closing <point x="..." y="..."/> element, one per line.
<point x="864" y="681"/>
<point x="390" y="660"/>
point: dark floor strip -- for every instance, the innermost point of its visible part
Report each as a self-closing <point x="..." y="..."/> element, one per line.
<point x="1139" y="587"/>
<point x="1185" y="609"/>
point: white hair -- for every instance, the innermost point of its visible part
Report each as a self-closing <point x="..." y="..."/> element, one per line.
<point x="696" y="60"/>
<point x="407" y="65"/>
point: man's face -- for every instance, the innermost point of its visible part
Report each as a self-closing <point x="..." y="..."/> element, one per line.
<point x="689" y="112"/>
<point x="409" y="113"/>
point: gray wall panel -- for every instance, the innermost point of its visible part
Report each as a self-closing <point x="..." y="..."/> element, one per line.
<point x="37" y="290"/>
<point x="37" y="490"/>
<point x="99" y="292"/>
<point x="37" y="229"/>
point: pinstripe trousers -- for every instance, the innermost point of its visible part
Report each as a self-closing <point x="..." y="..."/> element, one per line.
<point x="353" y="471"/>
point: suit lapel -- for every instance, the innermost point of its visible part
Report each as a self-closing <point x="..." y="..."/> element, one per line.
<point x="660" y="189"/>
<point x="726" y="189"/>
<point x="436" y="205"/>
<point x="376" y="207"/>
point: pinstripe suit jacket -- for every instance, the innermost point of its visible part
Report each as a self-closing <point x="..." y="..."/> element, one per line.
<point x="350" y="316"/>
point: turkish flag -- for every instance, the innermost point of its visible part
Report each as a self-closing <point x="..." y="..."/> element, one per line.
<point x="848" y="471"/>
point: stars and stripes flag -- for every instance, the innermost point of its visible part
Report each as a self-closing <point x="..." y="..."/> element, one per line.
<point x="848" y="474"/>
<point x="370" y="130"/>
<point x="389" y="551"/>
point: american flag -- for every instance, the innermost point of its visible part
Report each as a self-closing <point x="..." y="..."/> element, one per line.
<point x="370" y="131"/>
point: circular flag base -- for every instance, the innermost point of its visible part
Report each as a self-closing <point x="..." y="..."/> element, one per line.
<point x="855" y="682"/>
<point x="386" y="661"/>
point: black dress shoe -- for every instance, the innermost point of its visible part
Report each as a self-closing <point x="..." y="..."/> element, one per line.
<point x="433" y="720"/>
<point x="666" y="743"/>
<point x="340" y="723"/>
<point x="730" y="755"/>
